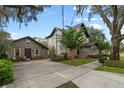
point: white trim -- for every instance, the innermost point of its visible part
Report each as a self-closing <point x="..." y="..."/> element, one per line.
<point x="19" y="52"/>
<point x="14" y="52"/>
<point x="35" y="52"/>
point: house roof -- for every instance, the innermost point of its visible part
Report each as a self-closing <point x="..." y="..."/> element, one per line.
<point x="77" y="27"/>
<point x="28" y="37"/>
<point x="90" y="44"/>
<point x="53" y="31"/>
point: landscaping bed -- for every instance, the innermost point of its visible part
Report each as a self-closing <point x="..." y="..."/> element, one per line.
<point x="68" y="85"/>
<point x="6" y="71"/>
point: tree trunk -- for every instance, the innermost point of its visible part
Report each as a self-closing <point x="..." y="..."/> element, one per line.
<point x="115" y="48"/>
<point x="72" y="54"/>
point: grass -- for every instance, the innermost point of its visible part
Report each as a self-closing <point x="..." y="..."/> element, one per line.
<point x="77" y="62"/>
<point x="68" y="85"/>
<point x="121" y="60"/>
<point x="115" y="63"/>
<point x="113" y="66"/>
<point x="111" y="69"/>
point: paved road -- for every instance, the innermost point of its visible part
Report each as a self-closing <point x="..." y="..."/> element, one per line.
<point x="48" y="74"/>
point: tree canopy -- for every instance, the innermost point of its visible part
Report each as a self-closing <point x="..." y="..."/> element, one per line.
<point x="72" y="38"/>
<point x="98" y="37"/>
<point x="20" y="13"/>
<point x="4" y="42"/>
<point x="113" y="17"/>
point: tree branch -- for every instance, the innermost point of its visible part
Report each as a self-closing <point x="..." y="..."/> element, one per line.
<point x="105" y="18"/>
<point x="121" y="37"/>
<point x="120" y="23"/>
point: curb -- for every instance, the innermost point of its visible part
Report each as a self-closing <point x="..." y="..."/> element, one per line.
<point x="3" y="86"/>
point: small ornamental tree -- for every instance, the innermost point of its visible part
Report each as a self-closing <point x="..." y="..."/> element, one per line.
<point x="72" y="40"/>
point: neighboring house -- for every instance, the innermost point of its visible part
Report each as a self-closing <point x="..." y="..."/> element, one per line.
<point x="41" y="40"/>
<point x="53" y="41"/>
<point x="27" y="48"/>
<point x="89" y="49"/>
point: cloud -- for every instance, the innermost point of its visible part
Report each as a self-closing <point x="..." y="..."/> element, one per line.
<point x="74" y="8"/>
<point x="122" y="31"/>
<point x="97" y="26"/>
<point x="78" y="19"/>
<point x="92" y="19"/>
<point x="14" y="35"/>
<point x="88" y="9"/>
<point x="50" y="12"/>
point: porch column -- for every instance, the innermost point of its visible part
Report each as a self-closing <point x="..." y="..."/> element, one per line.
<point x="14" y="52"/>
<point x="19" y="52"/>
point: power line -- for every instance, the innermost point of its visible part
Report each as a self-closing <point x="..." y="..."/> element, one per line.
<point x="62" y="16"/>
<point x="72" y="21"/>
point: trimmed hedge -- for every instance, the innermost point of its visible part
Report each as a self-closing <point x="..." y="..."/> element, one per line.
<point x="6" y="71"/>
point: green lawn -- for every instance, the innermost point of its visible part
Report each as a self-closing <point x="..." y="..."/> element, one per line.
<point x="78" y="62"/>
<point x="113" y="63"/>
<point x="113" y="66"/>
<point x="111" y="69"/>
<point x="121" y="60"/>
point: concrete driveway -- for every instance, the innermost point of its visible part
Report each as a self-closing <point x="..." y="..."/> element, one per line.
<point x="48" y="74"/>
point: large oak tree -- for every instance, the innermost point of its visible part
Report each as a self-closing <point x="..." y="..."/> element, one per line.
<point x="113" y="17"/>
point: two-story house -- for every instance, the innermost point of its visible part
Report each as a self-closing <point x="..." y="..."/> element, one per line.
<point x="53" y="41"/>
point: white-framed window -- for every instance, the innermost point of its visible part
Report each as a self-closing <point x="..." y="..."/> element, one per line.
<point x="36" y="51"/>
<point x="17" y="52"/>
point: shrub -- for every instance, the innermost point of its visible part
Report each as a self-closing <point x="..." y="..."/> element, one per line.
<point x="58" y="58"/>
<point x="114" y="64"/>
<point x="3" y="56"/>
<point x="6" y="71"/>
<point x="102" y="59"/>
<point x="65" y="55"/>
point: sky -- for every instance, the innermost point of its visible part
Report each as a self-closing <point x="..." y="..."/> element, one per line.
<point x="51" y="18"/>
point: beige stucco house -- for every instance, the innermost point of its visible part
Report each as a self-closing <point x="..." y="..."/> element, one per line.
<point x="53" y="42"/>
<point x="27" y="48"/>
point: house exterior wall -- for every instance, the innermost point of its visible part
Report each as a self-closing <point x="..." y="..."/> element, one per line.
<point x="53" y="42"/>
<point x="89" y="51"/>
<point x="27" y="43"/>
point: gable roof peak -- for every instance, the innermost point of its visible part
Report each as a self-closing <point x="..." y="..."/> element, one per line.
<point x="28" y="37"/>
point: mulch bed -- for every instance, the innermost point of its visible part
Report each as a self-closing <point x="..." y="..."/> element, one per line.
<point x="68" y="85"/>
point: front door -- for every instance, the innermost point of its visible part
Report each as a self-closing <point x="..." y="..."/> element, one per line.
<point x="28" y="52"/>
